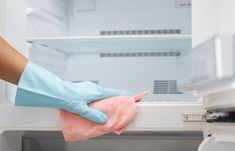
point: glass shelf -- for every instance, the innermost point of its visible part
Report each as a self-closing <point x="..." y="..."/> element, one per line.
<point x="115" y="43"/>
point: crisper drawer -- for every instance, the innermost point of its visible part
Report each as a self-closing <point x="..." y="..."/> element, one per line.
<point x="209" y="66"/>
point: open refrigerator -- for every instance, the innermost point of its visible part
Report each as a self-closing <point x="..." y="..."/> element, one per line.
<point x="182" y="51"/>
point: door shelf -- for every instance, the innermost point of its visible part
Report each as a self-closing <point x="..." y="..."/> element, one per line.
<point x="91" y="44"/>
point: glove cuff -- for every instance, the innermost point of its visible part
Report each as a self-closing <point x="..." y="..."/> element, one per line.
<point x="38" y="87"/>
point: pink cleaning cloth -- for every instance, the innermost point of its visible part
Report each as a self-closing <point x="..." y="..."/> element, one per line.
<point x="121" y="110"/>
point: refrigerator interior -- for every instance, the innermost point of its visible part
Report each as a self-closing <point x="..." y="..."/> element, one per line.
<point x="134" y="45"/>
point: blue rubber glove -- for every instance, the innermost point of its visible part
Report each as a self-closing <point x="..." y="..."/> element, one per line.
<point x="40" y="88"/>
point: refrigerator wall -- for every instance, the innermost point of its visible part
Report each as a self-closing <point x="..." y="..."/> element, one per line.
<point x="206" y="24"/>
<point x="115" y="17"/>
<point x="47" y="18"/>
<point x="15" y="36"/>
<point x="2" y="32"/>
<point x="2" y="17"/>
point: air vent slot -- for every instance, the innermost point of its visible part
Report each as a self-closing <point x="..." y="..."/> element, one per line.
<point x="140" y="32"/>
<point x="141" y="54"/>
<point x="165" y="87"/>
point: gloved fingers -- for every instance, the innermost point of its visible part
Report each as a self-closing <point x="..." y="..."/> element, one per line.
<point x="94" y="92"/>
<point x="96" y="116"/>
<point x="90" y="113"/>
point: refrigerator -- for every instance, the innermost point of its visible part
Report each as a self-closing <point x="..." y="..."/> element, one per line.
<point x="181" y="51"/>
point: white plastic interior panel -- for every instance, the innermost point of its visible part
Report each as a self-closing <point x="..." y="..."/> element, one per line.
<point x="84" y="5"/>
<point x="53" y="61"/>
<point x="227" y="16"/>
<point x="205" y="24"/>
<point x="219" y="20"/>
<point x="2" y="17"/>
<point x="47" y="18"/>
<point x="115" y="43"/>
<point x="121" y="15"/>
<point x="2" y="33"/>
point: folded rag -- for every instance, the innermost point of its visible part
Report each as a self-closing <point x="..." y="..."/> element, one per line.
<point x="121" y="110"/>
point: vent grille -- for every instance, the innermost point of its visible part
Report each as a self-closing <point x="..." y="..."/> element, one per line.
<point x="140" y="32"/>
<point x="141" y="54"/>
<point x="165" y="87"/>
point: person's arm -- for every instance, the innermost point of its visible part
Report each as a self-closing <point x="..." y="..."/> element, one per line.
<point x="12" y="63"/>
<point x="40" y="88"/>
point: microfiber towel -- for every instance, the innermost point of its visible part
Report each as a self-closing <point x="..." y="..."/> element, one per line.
<point x="121" y="110"/>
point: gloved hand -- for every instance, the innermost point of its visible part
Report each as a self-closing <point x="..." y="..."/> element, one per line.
<point x="40" y="88"/>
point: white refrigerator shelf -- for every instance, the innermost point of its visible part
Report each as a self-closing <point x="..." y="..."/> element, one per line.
<point x="115" y="43"/>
